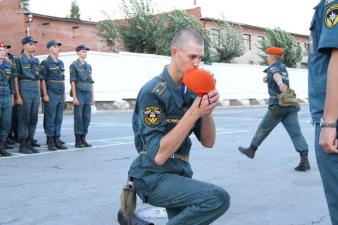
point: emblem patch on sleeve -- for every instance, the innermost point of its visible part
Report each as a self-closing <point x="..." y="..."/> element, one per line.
<point x="331" y="16"/>
<point x="152" y="115"/>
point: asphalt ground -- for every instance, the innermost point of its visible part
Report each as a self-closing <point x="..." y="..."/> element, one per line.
<point x="82" y="187"/>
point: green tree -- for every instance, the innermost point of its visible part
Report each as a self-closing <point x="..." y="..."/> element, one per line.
<point x="74" y="11"/>
<point x="138" y="34"/>
<point x="280" y="38"/>
<point x="227" y="44"/>
<point x="109" y="31"/>
<point x="170" y="24"/>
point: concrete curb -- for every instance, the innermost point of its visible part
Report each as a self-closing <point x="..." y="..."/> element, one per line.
<point x="129" y="104"/>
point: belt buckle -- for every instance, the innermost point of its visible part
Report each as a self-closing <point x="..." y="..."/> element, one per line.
<point x="173" y="156"/>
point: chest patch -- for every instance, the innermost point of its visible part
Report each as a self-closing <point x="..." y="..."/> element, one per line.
<point x="331" y="16"/>
<point x="152" y="115"/>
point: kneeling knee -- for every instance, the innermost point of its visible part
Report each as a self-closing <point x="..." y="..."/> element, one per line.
<point x="222" y="198"/>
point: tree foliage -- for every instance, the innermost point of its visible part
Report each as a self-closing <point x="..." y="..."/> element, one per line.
<point x="172" y="22"/>
<point x="109" y="31"/>
<point x="74" y="11"/>
<point x="280" y="38"/>
<point x="228" y="44"/>
<point x="138" y="34"/>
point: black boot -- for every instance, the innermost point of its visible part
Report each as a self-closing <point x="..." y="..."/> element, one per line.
<point x="51" y="144"/>
<point x="10" y="141"/>
<point x="58" y="144"/>
<point x="304" y="162"/>
<point x="131" y="220"/>
<point x="78" y="141"/>
<point x="249" y="152"/>
<point x="7" y="146"/>
<point x="3" y="151"/>
<point x="30" y="146"/>
<point x="35" y="143"/>
<point x="23" y="147"/>
<point x="83" y="139"/>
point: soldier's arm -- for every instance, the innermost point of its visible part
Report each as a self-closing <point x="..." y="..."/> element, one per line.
<point x="278" y="79"/>
<point x="16" y="72"/>
<point x="328" y="136"/>
<point x="171" y="141"/>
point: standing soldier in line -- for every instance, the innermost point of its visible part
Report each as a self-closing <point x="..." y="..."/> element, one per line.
<point x="13" y="131"/>
<point x="53" y="95"/>
<point x="6" y="92"/>
<point x="83" y="95"/>
<point x="277" y="80"/>
<point x="323" y="97"/>
<point x="27" y="94"/>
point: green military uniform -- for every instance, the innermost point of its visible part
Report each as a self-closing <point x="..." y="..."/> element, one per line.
<point x="324" y="33"/>
<point x="81" y="74"/>
<point x="159" y="107"/>
<point x="6" y="90"/>
<point x="26" y="70"/>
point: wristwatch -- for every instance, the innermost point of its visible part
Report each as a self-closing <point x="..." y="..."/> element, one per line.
<point x="324" y="123"/>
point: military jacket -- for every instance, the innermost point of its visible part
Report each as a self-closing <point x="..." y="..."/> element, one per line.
<point x="273" y="89"/>
<point x="82" y="75"/>
<point x="52" y="72"/>
<point x="27" y="72"/>
<point x="324" y="33"/>
<point x="6" y="85"/>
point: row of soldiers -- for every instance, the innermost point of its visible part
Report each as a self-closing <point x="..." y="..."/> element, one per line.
<point x="23" y="80"/>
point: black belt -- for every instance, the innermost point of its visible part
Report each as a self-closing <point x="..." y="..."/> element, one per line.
<point x="184" y="158"/>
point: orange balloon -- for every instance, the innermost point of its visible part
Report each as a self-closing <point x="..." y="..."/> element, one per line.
<point x="200" y="82"/>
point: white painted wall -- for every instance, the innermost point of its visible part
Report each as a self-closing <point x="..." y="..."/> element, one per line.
<point x="120" y="76"/>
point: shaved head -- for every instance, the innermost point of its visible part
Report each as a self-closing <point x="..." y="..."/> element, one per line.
<point x="183" y="37"/>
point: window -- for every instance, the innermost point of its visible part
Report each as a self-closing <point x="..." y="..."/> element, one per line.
<point x="214" y="36"/>
<point x="260" y="39"/>
<point x="307" y="49"/>
<point x="247" y="41"/>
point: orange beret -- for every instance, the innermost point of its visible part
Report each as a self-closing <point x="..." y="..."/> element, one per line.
<point x="274" y="51"/>
<point x="200" y="82"/>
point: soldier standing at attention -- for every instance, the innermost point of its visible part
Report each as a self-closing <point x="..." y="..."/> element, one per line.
<point x="53" y="95"/>
<point x="27" y="94"/>
<point x="6" y="92"/>
<point x="83" y="95"/>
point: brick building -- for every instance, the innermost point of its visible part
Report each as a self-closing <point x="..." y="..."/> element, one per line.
<point x="17" y="21"/>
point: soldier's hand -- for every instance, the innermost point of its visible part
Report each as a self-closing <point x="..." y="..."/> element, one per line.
<point x="76" y="101"/>
<point x="45" y="98"/>
<point x="283" y="87"/>
<point x="93" y="101"/>
<point x="328" y="140"/>
<point x="206" y="104"/>
<point x="18" y="100"/>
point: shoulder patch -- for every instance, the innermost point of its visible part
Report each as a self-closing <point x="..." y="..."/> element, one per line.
<point x="331" y="16"/>
<point x="152" y="115"/>
<point x="273" y="70"/>
<point x="160" y="88"/>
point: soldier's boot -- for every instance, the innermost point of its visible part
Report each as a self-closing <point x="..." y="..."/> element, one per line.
<point x="58" y="144"/>
<point x="35" y="143"/>
<point x="51" y="144"/>
<point x="3" y="151"/>
<point x="7" y="146"/>
<point x="62" y="142"/>
<point x="304" y="162"/>
<point x="78" y="142"/>
<point x="30" y="146"/>
<point x="10" y="141"/>
<point x="85" y="143"/>
<point x="23" y="147"/>
<point x="131" y="220"/>
<point x="249" y="152"/>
